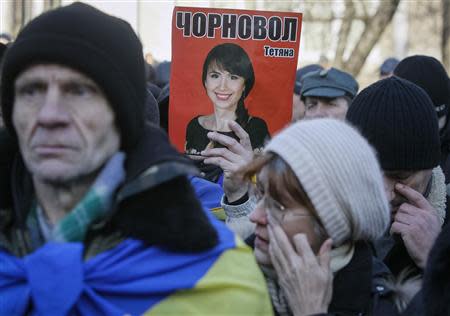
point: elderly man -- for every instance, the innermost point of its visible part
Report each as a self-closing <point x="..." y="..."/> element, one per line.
<point x="328" y="93"/>
<point x="102" y="219"/>
<point x="398" y="119"/>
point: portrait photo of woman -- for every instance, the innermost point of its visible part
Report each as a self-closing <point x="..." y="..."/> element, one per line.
<point x="228" y="77"/>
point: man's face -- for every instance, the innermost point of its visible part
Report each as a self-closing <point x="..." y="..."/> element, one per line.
<point x="298" y="108"/>
<point x="417" y="180"/>
<point x="64" y="123"/>
<point x="317" y="107"/>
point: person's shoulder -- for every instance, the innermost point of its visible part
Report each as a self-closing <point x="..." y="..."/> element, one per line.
<point x="257" y="122"/>
<point x="194" y="126"/>
<point x="209" y="193"/>
<point x="194" y="121"/>
<point x="234" y="279"/>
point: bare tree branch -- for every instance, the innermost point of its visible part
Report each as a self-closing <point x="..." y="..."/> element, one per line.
<point x="51" y="4"/>
<point x="327" y="19"/>
<point x="370" y="36"/>
<point x="364" y="7"/>
<point x="344" y="31"/>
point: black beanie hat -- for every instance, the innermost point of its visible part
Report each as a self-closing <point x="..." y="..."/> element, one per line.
<point x="103" y="47"/>
<point x="397" y="117"/>
<point x="428" y="73"/>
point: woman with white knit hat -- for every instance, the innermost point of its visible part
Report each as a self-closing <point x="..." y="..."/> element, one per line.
<point x="320" y="200"/>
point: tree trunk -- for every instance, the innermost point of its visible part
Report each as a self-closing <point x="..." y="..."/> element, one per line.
<point x="445" y="43"/>
<point x="344" y="31"/>
<point x="51" y="4"/>
<point x="372" y="32"/>
<point x="21" y="14"/>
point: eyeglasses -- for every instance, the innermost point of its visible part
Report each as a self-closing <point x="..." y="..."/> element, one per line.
<point x="268" y="202"/>
<point x="275" y="209"/>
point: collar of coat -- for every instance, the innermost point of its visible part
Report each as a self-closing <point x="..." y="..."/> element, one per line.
<point x="438" y="193"/>
<point x="156" y="203"/>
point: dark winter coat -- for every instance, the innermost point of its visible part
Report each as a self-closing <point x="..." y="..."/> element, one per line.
<point x="436" y="284"/>
<point x="445" y="150"/>
<point x="434" y="297"/>
<point x="359" y="288"/>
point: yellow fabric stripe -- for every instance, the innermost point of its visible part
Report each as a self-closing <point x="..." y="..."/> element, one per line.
<point x="233" y="286"/>
<point x="219" y="213"/>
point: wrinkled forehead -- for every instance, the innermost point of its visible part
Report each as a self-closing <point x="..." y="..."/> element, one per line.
<point x="409" y="177"/>
<point x="52" y="72"/>
<point x="400" y="173"/>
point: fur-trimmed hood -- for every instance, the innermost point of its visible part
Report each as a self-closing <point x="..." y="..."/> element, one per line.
<point x="156" y="204"/>
<point x="438" y="193"/>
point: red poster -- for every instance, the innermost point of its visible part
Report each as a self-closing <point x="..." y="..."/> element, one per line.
<point x="231" y="64"/>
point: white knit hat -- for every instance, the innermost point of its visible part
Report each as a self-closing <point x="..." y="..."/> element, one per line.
<point x="340" y="174"/>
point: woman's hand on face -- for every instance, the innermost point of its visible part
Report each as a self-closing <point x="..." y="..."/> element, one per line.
<point x="234" y="155"/>
<point x="307" y="280"/>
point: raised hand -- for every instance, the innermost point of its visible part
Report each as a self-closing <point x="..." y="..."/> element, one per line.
<point x="233" y="156"/>
<point x="307" y="280"/>
<point x="417" y="223"/>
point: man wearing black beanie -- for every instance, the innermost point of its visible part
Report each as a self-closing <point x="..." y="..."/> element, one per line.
<point x="398" y="119"/>
<point x="428" y="73"/>
<point x="99" y="217"/>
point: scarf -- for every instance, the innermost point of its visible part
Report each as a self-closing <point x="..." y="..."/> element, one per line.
<point x="95" y="205"/>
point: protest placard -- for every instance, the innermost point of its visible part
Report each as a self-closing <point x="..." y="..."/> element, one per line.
<point x="236" y="64"/>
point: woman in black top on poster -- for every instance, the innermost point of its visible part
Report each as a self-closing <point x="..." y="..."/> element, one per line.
<point x="228" y="78"/>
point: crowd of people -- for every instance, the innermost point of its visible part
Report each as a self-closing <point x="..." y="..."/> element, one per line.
<point x="342" y="212"/>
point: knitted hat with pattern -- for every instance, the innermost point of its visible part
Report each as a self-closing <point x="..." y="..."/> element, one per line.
<point x="103" y="47"/>
<point x="340" y="174"/>
<point x="398" y="119"/>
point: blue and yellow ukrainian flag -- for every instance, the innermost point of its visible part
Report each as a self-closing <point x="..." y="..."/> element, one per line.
<point x="134" y="279"/>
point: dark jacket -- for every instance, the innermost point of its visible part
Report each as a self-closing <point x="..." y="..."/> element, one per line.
<point x="436" y="284"/>
<point x="434" y="297"/>
<point x="445" y="150"/>
<point x="155" y="176"/>
<point x="359" y="288"/>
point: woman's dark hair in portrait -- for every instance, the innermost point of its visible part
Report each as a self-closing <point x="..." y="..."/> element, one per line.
<point x="233" y="58"/>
